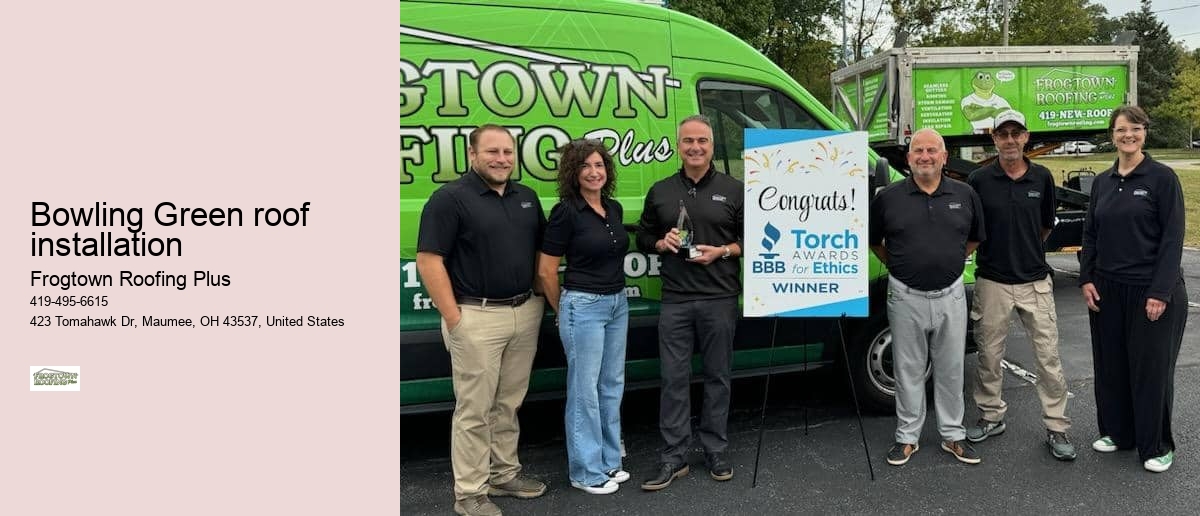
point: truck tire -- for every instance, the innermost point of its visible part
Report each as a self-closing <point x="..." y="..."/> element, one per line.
<point x="871" y="364"/>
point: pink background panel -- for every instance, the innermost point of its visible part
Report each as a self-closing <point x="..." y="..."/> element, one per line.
<point x="205" y="104"/>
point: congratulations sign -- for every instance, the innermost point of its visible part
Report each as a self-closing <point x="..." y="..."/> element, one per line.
<point x="806" y="223"/>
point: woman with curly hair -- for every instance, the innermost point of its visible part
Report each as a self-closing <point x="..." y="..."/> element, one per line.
<point x="593" y="313"/>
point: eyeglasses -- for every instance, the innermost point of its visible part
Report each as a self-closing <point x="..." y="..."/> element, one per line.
<point x="1015" y="133"/>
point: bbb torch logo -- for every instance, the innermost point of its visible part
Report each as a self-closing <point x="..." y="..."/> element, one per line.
<point x="768" y="263"/>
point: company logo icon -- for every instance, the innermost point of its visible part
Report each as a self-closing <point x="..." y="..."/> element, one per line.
<point x="772" y="235"/>
<point x="54" y="378"/>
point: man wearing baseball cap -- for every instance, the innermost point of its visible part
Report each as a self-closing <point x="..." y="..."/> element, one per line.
<point x="1012" y="275"/>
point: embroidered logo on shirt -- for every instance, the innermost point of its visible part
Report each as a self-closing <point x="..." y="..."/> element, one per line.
<point x="1034" y="194"/>
<point x="526" y="204"/>
<point x="1140" y="192"/>
<point x="718" y="197"/>
<point x="955" y="205"/>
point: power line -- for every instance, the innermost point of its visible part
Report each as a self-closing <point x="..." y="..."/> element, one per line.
<point x="1175" y="9"/>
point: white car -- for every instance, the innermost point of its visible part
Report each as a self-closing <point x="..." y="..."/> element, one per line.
<point x="1078" y="147"/>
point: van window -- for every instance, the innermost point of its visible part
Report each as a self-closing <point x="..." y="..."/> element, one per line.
<point x="733" y="107"/>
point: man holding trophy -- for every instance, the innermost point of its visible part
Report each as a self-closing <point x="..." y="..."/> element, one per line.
<point x="694" y="220"/>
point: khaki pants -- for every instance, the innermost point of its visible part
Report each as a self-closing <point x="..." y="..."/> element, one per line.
<point x="991" y="312"/>
<point x="491" y="354"/>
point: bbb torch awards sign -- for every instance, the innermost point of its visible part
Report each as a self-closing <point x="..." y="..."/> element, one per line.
<point x="806" y="223"/>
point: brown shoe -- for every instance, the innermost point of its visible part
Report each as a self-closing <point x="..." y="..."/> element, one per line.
<point x="900" y="452"/>
<point x="478" y="505"/>
<point x="519" y="487"/>
<point x="962" y="450"/>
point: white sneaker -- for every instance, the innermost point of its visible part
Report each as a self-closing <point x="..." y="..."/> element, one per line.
<point x="1160" y="464"/>
<point x="618" y="475"/>
<point x="608" y="487"/>
<point x="1104" y="445"/>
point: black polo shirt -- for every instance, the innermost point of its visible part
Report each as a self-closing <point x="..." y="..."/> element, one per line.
<point x="714" y="205"/>
<point x="1015" y="213"/>
<point x="489" y="242"/>
<point x="1134" y="229"/>
<point x="926" y="235"/>
<point x="595" y="246"/>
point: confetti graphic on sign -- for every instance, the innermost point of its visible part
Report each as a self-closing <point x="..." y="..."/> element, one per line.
<point x="763" y="163"/>
<point x="828" y="157"/>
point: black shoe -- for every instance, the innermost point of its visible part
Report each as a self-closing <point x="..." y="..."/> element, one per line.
<point x="666" y="473"/>
<point x="718" y="469"/>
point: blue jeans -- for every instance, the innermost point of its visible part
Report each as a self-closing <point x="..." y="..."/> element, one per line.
<point x="593" y="328"/>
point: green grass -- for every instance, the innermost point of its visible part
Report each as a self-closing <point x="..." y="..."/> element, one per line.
<point x="1186" y="163"/>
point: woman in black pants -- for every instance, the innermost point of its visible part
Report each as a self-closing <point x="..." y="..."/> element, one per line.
<point x="1132" y="282"/>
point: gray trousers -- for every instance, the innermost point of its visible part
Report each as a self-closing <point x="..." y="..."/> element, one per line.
<point x="709" y="326"/>
<point x="928" y="327"/>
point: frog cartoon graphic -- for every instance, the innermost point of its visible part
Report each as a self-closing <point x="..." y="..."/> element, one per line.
<point x="980" y="107"/>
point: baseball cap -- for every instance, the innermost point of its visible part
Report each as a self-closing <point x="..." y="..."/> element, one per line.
<point x="1009" y="116"/>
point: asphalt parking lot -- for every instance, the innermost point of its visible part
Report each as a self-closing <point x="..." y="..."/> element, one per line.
<point x="813" y="460"/>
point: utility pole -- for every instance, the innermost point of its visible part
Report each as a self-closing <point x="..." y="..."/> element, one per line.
<point x="845" y="50"/>
<point x="1004" y="36"/>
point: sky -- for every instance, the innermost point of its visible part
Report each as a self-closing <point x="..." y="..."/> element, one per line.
<point x="1184" y="24"/>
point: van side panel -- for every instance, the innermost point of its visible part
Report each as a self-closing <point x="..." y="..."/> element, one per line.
<point x="549" y="75"/>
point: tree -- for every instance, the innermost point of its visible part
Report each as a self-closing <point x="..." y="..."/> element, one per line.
<point x="746" y="19"/>
<point x="1051" y="22"/>
<point x="793" y="34"/>
<point x="975" y="24"/>
<point x="1031" y="22"/>
<point x="1183" y="103"/>
<point x="865" y="23"/>
<point x="1158" y="59"/>
<point x="917" y="18"/>
<point x="1106" y="27"/>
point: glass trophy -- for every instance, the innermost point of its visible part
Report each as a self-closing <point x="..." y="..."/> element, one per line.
<point x="685" y="232"/>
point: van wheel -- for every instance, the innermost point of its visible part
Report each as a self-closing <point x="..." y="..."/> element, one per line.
<point x="871" y="365"/>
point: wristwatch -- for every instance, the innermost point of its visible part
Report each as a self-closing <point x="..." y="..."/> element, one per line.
<point x="727" y="253"/>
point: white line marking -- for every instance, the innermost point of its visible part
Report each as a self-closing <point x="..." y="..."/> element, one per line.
<point x="1024" y="374"/>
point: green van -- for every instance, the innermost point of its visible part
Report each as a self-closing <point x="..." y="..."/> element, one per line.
<point x="625" y="73"/>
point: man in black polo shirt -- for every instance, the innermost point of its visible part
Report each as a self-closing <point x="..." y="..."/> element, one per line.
<point x="476" y="252"/>
<point x="923" y="228"/>
<point x="699" y="299"/>
<point x="1012" y="274"/>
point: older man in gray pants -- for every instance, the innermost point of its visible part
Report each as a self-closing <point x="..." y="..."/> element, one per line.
<point x="923" y="228"/>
